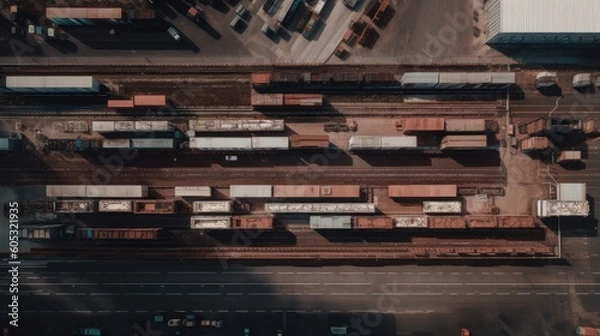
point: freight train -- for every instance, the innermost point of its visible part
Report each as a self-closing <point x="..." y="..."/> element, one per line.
<point x="258" y="143"/>
<point x="407" y="81"/>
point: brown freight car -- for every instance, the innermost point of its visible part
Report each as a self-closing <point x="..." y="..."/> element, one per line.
<point x="253" y="222"/>
<point x="309" y="141"/>
<point x="373" y="223"/>
<point x="447" y="222"/>
<point x="422" y="190"/>
<point x="260" y="78"/>
<point x="340" y="191"/>
<point x="120" y="103"/>
<point x="154" y="207"/>
<point x="150" y="100"/>
<point x="516" y="222"/>
<point x="413" y="125"/>
<point x="482" y="222"/>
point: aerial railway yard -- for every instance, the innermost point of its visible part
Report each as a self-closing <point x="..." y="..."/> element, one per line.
<point x="433" y="176"/>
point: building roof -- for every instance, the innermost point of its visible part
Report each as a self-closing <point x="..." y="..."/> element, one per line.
<point x="549" y="16"/>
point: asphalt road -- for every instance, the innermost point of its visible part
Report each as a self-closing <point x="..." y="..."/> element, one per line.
<point x="107" y="289"/>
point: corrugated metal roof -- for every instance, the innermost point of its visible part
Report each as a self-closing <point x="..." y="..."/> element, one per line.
<point x="49" y="82"/>
<point x="260" y="190"/>
<point x="221" y="143"/>
<point x="549" y="16"/>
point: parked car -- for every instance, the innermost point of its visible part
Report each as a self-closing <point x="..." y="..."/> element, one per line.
<point x="235" y="22"/>
<point x="174" y="33"/>
<point x="240" y="10"/>
<point x="174" y="323"/>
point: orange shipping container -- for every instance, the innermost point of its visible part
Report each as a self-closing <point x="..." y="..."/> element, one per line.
<point x="298" y="191"/>
<point x="482" y="222"/>
<point x="253" y="222"/>
<point x="447" y="222"/>
<point x="422" y="190"/>
<point x="411" y="125"/>
<point x="154" y="207"/>
<point x="309" y="141"/>
<point x="121" y="103"/>
<point x="150" y="100"/>
<point x="375" y="223"/>
<point x="260" y="78"/>
<point x="516" y="222"/>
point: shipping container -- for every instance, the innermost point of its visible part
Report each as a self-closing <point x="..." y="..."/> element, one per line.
<point x="125" y="126"/>
<point x="251" y="191"/>
<point x="537" y="126"/>
<point x="330" y="222"/>
<point x="74" y="144"/>
<point x="212" y="206"/>
<point x="199" y="191"/>
<point x="534" y="143"/>
<point x="236" y="125"/>
<point x="49" y="231"/>
<point x="270" y="143"/>
<point x="414" y="125"/>
<point x="516" y="222"/>
<point x="457" y="80"/>
<point x="296" y="191"/>
<point x="120" y="103"/>
<point x="358" y="142"/>
<point x="442" y="207"/>
<point x="7" y="144"/>
<point x="103" y="126"/>
<point x="569" y="156"/>
<point x="398" y="142"/>
<point x="422" y="190"/>
<point x="286" y="76"/>
<point x="419" y="80"/>
<point x="224" y="144"/>
<point x="587" y="331"/>
<point x="158" y="207"/>
<point x="447" y="222"/>
<point x="153" y="126"/>
<point x="117" y="191"/>
<point x="65" y="191"/>
<point x="340" y="191"/>
<point x="52" y="84"/>
<point x="465" y="125"/>
<point x="115" y="206"/>
<point x="260" y="78"/>
<point x="266" y="99"/>
<point x="303" y="99"/>
<point x="571" y="192"/>
<point x="482" y="222"/>
<point x="210" y="222"/>
<point x="410" y="222"/>
<point x="116" y="143"/>
<point x="320" y="207"/>
<point x="298" y="141"/>
<point x="97" y="13"/>
<point x="144" y="143"/>
<point x="554" y="208"/>
<point x="373" y="223"/>
<point x="150" y="100"/>
<point x="253" y="222"/>
<point x="74" y="206"/>
<point x="464" y="142"/>
<point x="118" y="234"/>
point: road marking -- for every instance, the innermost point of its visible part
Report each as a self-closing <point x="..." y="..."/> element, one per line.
<point x="122" y="311"/>
<point x="236" y="294"/>
<point x="486" y="293"/>
<point x="388" y="294"/>
<point x="542" y="293"/>
<point x="499" y="273"/>
<point x="324" y="273"/>
<point x="454" y="273"/>
<point x="260" y="311"/>
<point x="503" y="293"/>
<point x="485" y="273"/>
<point x="41" y="294"/>
<point x="103" y="311"/>
<point x="143" y="294"/>
<point x="61" y="284"/>
<point x="561" y="293"/>
<point x="241" y="311"/>
<point x="352" y="273"/>
<point x="314" y="293"/>
<point x="518" y="273"/>
<point x="98" y="294"/>
<point x="347" y="283"/>
<point x="198" y="311"/>
<point x="193" y="272"/>
<point x="249" y="273"/>
<point x="292" y="294"/>
<point x="596" y="273"/>
<point x="293" y="272"/>
<point x="582" y="293"/>
<point x="141" y="311"/>
<point x="470" y="294"/>
<point x="407" y="273"/>
<point x="260" y="294"/>
<point x="209" y="294"/>
<point x="423" y="273"/>
<point x="173" y="293"/>
<point x="32" y="277"/>
<point x="67" y="294"/>
<point x="223" y="311"/>
<point x="143" y="273"/>
<point x="379" y="273"/>
<point x="392" y="273"/>
<point x="452" y="294"/>
<point x="521" y="293"/>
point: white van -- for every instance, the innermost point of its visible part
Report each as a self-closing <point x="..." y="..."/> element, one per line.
<point x="174" y="33"/>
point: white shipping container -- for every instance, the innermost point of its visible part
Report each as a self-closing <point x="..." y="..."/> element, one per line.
<point x="221" y="143"/>
<point x="442" y="207"/>
<point x="364" y="142"/>
<point x="212" y="206"/>
<point x="556" y="208"/>
<point x="280" y="143"/>
<point x="330" y="222"/>
<point x="115" y="206"/>
<point x="120" y="191"/>
<point x="153" y="126"/>
<point x="398" y="142"/>
<point x="192" y="191"/>
<point x="251" y="191"/>
<point x="417" y="222"/>
<point x="65" y="191"/>
<point x="116" y="143"/>
<point x="153" y="143"/>
<point x="103" y="126"/>
<point x="125" y="126"/>
<point x="237" y="125"/>
<point x="320" y="207"/>
<point x="420" y="80"/>
<point x="571" y="192"/>
<point x="52" y="84"/>
<point x="213" y="222"/>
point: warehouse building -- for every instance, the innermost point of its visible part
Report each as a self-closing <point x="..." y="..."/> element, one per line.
<point x="543" y="21"/>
